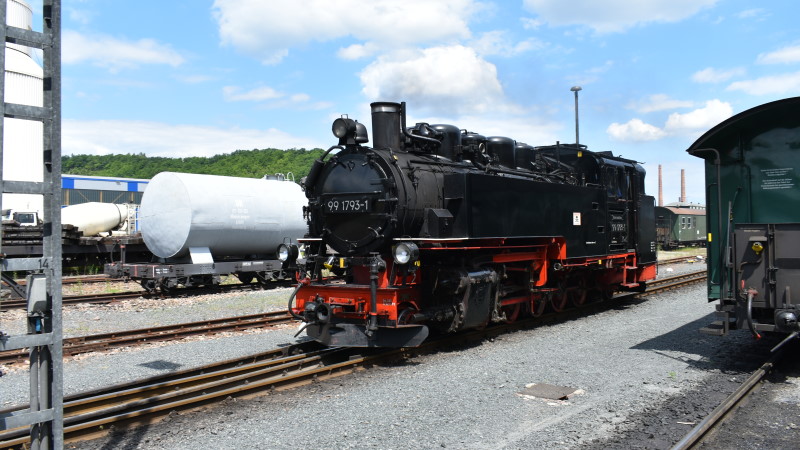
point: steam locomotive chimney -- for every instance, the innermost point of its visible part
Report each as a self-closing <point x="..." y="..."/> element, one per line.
<point x="683" y="186"/>
<point x="660" y="188"/>
<point x="386" y="124"/>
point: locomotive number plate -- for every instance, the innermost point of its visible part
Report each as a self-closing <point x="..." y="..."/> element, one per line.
<point x="347" y="205"/>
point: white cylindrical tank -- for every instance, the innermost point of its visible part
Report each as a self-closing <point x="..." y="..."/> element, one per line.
<point x="22" y="139"/>
<point x="231" y="216"/>
<point x="94" y="217"/>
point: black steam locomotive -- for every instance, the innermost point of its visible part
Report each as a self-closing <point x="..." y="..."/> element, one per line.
<point x="437" y="228"/>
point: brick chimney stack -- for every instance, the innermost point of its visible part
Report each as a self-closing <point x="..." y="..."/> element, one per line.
<point x="683" y="186"/>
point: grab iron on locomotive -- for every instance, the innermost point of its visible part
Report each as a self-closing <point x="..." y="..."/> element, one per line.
<point x="436" y="229"/>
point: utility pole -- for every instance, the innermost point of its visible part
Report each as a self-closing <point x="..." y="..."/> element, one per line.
<point x="575" y="89"/>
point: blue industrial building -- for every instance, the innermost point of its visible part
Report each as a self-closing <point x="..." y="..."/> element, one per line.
<point x="76" y="189"/>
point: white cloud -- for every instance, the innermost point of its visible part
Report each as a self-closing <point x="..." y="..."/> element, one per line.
<point x="81" y="16"/>
<point x="235" y="94"/>
<point x="786" y="55"/>
<point x="755" y="13"/>
<point x="194" y="79"/>
<point x="439" y="79"/>
<point x="590" y="75"/>
<point x="788" y="83"/>
<point x="700" y="119"/>
<point x="614" y="15"/>
<point x="712" y="75"/>
<point x="712" y="113"/>
<point x="658" y="102"/>
<point x="635" y="130"/>
<point x="498" y="43"/>
<point x="271" y="98"/>
<point x="101" y="137"/>
<point x="113" y="53"/>
<point x="531" y="24"/>
<point x="357" y="51"/>
<point x="269" y="28"/>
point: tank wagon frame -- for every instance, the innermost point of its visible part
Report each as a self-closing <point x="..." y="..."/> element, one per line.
<point x="752" y="172"/>
<point x="166" y="277"/>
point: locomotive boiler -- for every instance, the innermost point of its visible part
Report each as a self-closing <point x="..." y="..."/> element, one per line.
<point x="434" y="228"/>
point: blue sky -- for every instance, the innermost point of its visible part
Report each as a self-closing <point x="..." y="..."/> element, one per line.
<point x="198" y="78"/>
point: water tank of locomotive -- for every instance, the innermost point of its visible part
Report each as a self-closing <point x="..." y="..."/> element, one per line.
<point x="230" y="216"/>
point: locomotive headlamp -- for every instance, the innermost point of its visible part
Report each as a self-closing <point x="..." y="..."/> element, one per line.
<point x="406" y="252"/>
<point x="283" y="252"/>
<point x="349" y="131"/>
<point x="287" y="252"/>
<point x="344" y="127"/>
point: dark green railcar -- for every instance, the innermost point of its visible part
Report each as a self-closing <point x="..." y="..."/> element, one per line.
<point x="680" y="225"/>
<point x="752" y="169"/>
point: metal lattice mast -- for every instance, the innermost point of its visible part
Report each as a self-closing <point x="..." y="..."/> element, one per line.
<point x="44" y="338"/>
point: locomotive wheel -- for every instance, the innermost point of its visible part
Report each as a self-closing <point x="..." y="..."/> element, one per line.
<point x="559" y="300"/>
<point x="149" y="285"/>
<point x="539" y="305"/>
<point x="512" y="312"/>
<point x="246" y="277"/>
<point x="579" y="294"/>
<point x="166" y="289"/>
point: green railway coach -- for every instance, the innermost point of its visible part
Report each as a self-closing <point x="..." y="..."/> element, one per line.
<point x="752" y="173"/>
<point x="680" y="225"/>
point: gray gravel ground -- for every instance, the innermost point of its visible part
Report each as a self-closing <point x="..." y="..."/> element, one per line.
<point x="626" y="362"/>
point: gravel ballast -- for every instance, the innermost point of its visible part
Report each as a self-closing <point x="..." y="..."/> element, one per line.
<point x="625" y="363"/>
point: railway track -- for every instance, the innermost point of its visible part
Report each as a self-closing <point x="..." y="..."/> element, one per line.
<point x="666" y="262"/>
<point x="674" y="282"/>
<point x="89" y="415"/>
<point x="106" y="298"/>
<point x="107" y="341"/>
<point x="78" y="279"/>
<point x="727" y="408"/>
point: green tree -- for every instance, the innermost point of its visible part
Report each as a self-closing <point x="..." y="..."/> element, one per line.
<point x="241" y="163"/>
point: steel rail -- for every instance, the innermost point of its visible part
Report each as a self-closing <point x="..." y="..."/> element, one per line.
<point x="106" y="341"/>
<point x="666" y="262"/>
<point x="724" y="410"/>
<point x="105" y="298"/>
<point x="89" y="415"/>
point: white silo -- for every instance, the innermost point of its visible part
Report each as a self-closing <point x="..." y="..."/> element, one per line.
<point x="22" y="139"/>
